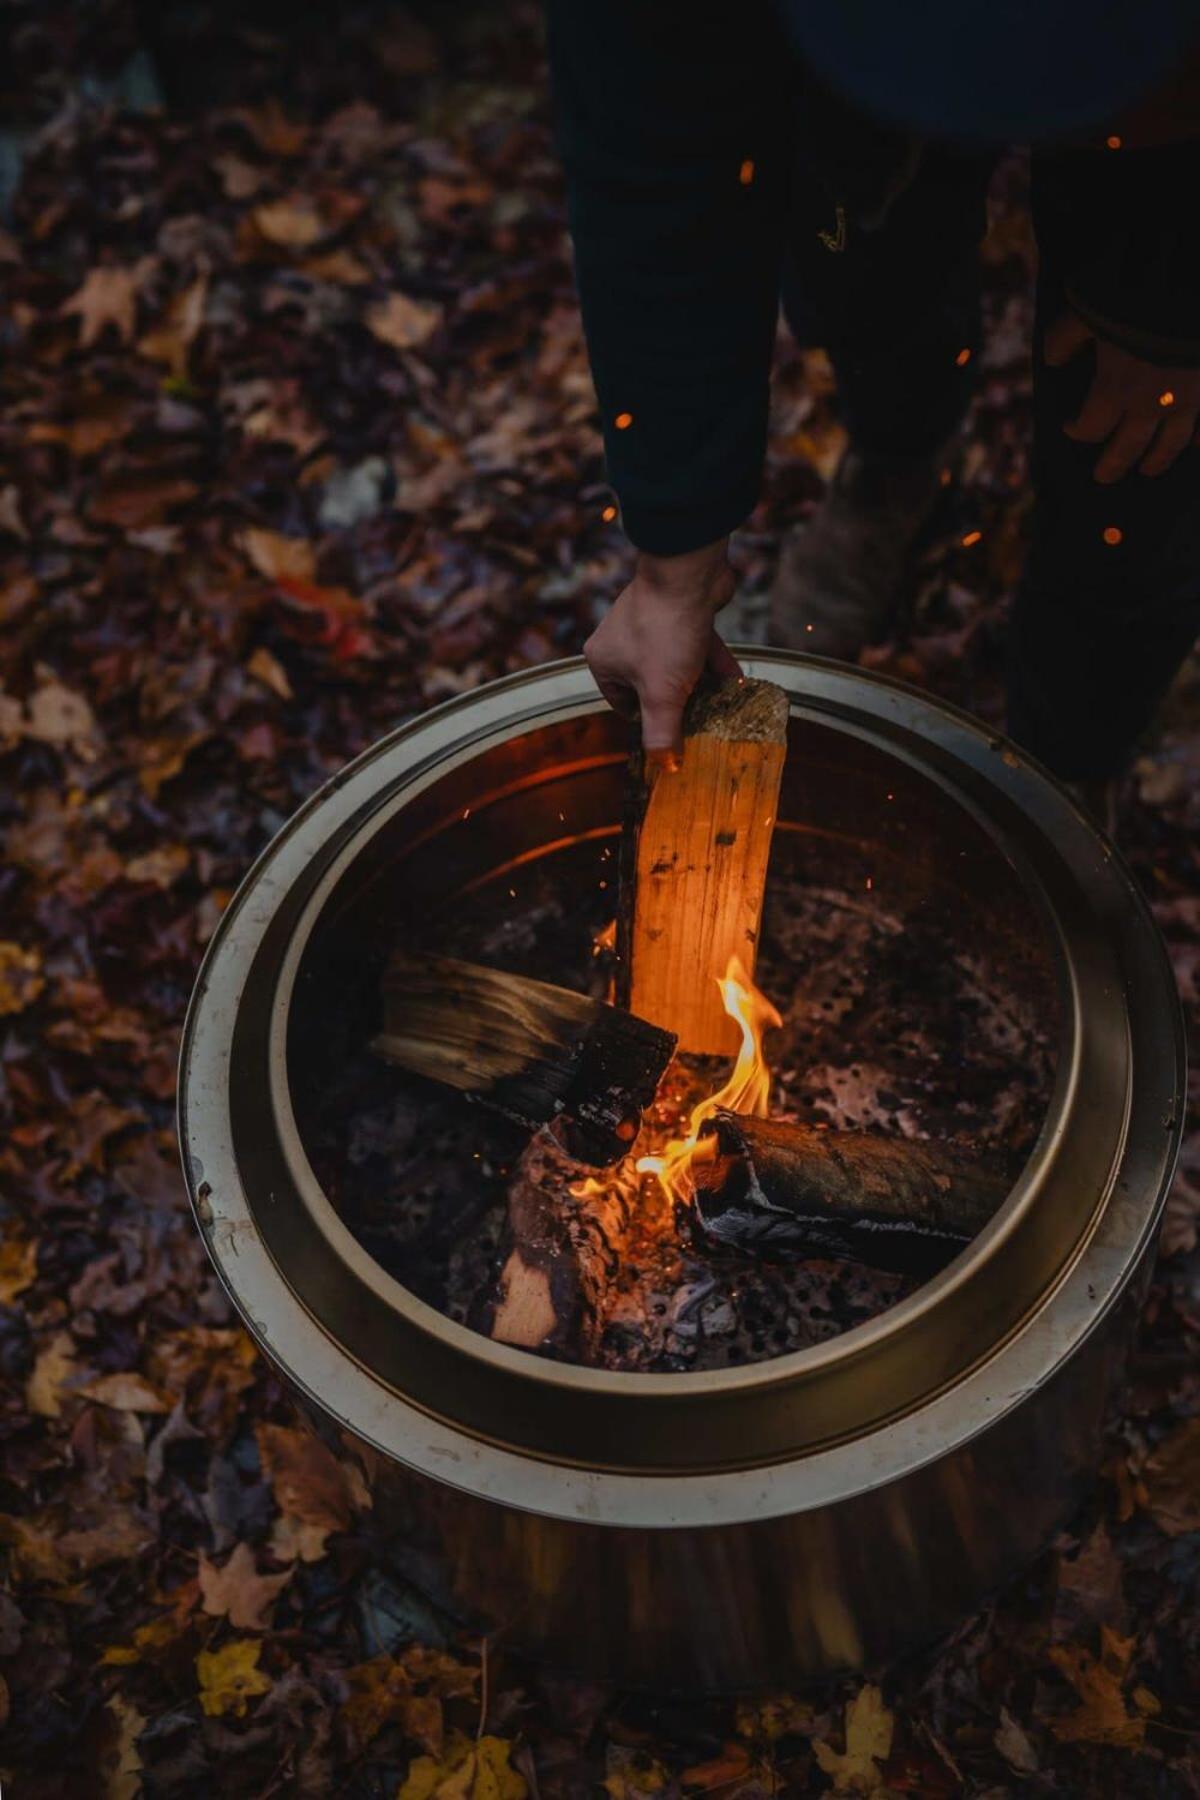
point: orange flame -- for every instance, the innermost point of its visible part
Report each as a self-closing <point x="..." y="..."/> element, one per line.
<point x="748" y="1089"/>
<point x="605" y="938"/>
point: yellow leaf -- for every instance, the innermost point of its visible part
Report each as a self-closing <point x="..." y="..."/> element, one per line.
<point x="155" y="1634"/>
<point x="21" y="980"/>
<point x="122" y="1767"/>
<point x="230" y="1677"/>
<point x="18" y="1267"/>
<point x="869" y="1727"/>
<point x="465" y="1771"/>
<point x="54" y="1366"/>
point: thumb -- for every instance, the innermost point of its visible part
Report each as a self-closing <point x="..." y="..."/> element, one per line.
<point x="1064" y="339"/>
<point x="662" y="728"/>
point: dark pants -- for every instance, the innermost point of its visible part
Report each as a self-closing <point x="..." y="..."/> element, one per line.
<point x="1098" y="630"/>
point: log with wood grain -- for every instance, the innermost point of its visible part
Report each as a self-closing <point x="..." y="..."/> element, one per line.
<point x="774" y="1187"/>
<point x="694" y="862"/>
<point x="529" y="1050"/>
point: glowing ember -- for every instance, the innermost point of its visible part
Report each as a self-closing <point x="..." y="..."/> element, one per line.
<point x="605" y="938"/>
<point x="747" y="1090"/>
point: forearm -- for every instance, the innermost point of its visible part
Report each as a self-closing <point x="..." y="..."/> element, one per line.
<point x="669" y="119"/>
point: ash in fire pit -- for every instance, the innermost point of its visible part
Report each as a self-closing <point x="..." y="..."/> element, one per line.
<point x="884" y="1026"/>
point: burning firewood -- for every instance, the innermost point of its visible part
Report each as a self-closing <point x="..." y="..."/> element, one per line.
<point x="694" y="862"/>
<point x="537" y="1298"/>
<point x="531" y="1051"/>
<point x="768" y="1185"/>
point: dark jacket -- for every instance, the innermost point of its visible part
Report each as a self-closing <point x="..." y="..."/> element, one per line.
<point x="679" y="122"/>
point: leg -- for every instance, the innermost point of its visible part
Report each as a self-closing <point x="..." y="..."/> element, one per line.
<point x="1099" y="627"/>
<point x="896" y="307"/>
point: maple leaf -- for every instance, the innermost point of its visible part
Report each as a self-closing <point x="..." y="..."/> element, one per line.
<point x="465" y="1771"/>
<point x="1172" y="1481"/>
<point x="108" y="297"/>
<point x="21" y="980"/>
<point x="230" y="1678"/>
<point x="310" y="1484"/>
<point x="1102" y="1716"/>
<point x="238" y="1592"/>
<point x="869" y="1727"/>
<point x="403" y="322"/>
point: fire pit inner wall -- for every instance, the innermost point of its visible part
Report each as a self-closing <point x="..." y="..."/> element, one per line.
<point x="763" y="1523"/>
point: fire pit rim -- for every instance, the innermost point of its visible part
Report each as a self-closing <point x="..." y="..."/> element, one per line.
<point x="767" y="1374"/>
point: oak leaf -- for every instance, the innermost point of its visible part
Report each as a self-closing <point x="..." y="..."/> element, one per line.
<point x="230" y="1678"/>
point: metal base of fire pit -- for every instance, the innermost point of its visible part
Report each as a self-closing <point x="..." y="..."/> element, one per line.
<point x="760" y="1524"/>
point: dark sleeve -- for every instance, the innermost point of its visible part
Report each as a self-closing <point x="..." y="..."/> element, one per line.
<point x="669" y="122"/>
<point x="1118" y="226"/>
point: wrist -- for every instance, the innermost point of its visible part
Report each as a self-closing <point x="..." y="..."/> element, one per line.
<point x="687" y="576"/>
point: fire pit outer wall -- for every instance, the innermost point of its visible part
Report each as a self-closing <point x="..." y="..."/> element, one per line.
<point x="766" y="1524"/>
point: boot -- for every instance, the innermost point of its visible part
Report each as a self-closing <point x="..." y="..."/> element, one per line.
<point x="840" y="574"/>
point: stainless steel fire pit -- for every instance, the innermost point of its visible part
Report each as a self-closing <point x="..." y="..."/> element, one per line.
<point x="768" y="1523"/>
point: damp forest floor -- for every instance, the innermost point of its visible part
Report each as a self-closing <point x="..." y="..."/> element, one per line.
<point x="297" y="439"/>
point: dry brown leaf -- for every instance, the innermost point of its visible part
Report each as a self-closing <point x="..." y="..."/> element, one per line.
<point x="270" y="671"/>
<point x="1172" y="1481"/>
<point x="238" y="1592"/>
<point x="239" y="178"/>
<point x="403" y="322"/>
<point x="163" y="865"/>
<point x="1014" y="1745"/>
<point x="171" y="340"/>
<point x="53" y="1367"/>
<point x="107" y="298"/>
<point x="340" y="266"/>
<point x="1102" y="1716"/>
<point x="21" y="979"/>
<point x="276" y="556"/>
<point x="125" y="1391"/>
<point x="56" y="715"/>
<point x="309" y="1482"/>
<point x="292" y="224"/>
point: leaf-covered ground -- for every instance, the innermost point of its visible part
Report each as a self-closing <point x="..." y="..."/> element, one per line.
<point x="297" y="439"/>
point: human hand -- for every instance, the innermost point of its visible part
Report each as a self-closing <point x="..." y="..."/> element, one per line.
<point x="1142" y="412"/>
<point x="656" y="640"/>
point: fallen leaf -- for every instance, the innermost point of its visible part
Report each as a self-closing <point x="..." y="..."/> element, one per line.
<point x="721" y="1771"/>
<point x="230" y="1678"/>
<point x="107" y="298"/>
<point x="171" y="340"/>
<point x="403" y="322"/>
<point x="270" y="671"/>
<point x="293" y="224"/>
<point x="163" y="865"/>
<point x="237" y="1592"/>
<point x="53" y="1367"/>
<point x="18" y="1255"/>
<point x="276" y="556"/>
<point x="239" y="178"/>
<point x="869" y="1727"/>
<point x="466" y="1771"/>
<point x="1172" y="1481"/>
<point x="121" y="1766"/>
<point x="382" y="1692"/>
<point x="156" y="1634"/>
<point x="125" y="1391"/>
<point x="1014" y="1745"/>
<point x="1102" y="1716"/>
<point x="21" y="979"/>
<point x="310" y="1483"/>
<point x="58" y="716"/>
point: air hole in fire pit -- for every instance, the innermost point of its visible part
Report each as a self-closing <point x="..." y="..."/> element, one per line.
<point x="910" y="969"/>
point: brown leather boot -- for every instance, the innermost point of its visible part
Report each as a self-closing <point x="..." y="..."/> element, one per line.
<point x="840" y="574"/>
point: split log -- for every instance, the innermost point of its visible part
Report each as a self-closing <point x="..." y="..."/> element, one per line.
<point x="537" y="1300"/>
<point x="694" y="862"/>
<point x="893" y="1203"/>
<point x="529" y="1050"/>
